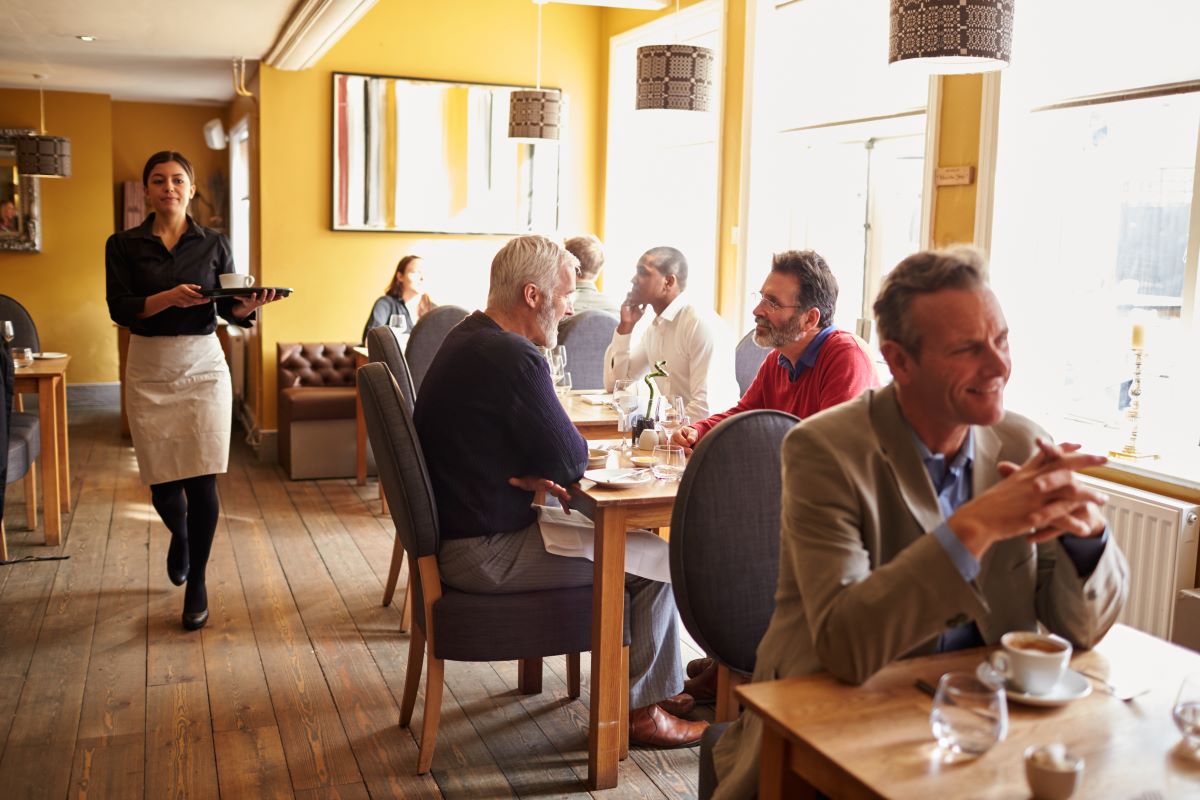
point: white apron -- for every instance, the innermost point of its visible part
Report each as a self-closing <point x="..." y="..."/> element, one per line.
<point x="180" y="405"/>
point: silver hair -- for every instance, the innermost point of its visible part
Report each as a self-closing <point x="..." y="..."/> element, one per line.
<point x="524" y="260"/>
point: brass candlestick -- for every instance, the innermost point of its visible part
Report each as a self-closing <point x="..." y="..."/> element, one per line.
<point x="1130" y="451"/>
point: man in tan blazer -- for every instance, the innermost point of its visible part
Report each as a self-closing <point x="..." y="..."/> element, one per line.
<point x="921" y="517"/>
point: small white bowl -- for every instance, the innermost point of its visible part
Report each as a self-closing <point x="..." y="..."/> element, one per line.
<point x="1053" y="771"/>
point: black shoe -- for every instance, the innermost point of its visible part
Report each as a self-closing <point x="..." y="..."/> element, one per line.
<point x="177" y="560"/>
<point x="195" y="606"/>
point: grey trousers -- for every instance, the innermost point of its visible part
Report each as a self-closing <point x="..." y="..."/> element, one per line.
<point x="518" y="562"/>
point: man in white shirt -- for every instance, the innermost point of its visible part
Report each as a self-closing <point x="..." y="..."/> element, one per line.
<point x="695" y="342"/>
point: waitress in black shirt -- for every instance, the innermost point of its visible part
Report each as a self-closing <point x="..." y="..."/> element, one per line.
<point x="177" y="388"/>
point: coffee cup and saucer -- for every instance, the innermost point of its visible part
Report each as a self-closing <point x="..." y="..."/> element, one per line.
<point x="1032" y="669"/>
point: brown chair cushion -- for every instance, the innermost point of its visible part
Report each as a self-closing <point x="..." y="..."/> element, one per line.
<point x="317" y="402"/>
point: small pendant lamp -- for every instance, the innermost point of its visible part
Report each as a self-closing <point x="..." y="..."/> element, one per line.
<point x="676" y="77"/>
<point x="535" y="113"/>
<point x="40" y="155"/>
<point x="952" y="37"/>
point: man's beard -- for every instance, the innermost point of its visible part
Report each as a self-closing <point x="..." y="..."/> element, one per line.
<point x="777" y="337"/>
<point x="547" y="323"/>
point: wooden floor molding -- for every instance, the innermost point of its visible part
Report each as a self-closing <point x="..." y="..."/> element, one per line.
<point x="292" y="690"/>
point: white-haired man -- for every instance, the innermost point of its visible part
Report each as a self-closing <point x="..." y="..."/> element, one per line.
<point x="494" y="433"/>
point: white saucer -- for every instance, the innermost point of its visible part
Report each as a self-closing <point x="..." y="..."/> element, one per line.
<point x="49" y="355"/>
<point x="613" y="479"/>
<point x="1071" y="686"/>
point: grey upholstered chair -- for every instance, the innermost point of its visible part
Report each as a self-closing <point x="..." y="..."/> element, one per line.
<point x="21" y="439"/>
<point x="747" y="359"/>
<point x="24" y="331"/>
<point x="586" y="336"/>
<point x="383" y="347"/>
<point x="447" y="623"/>
<point x="725" y="532"/>
<point x="426" y="338"/>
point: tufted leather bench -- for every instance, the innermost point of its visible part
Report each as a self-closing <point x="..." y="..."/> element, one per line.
<point x="316" y="410"/>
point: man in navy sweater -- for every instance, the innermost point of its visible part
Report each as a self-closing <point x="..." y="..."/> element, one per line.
<point x="494" y="433"/>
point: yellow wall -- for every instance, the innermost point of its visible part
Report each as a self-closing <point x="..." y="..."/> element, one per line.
<point x="63" y="285"/>
<point x="141" y="129"/>
<point x="337" y="275"/>
<point x="958" y="146"/>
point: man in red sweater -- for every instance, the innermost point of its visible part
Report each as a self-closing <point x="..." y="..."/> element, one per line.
<point x="814" y="365"/>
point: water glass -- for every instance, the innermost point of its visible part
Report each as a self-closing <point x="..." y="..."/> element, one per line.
<point x="1187" y="711"/>
<point x="668" y="462"/>
<point x="23" y="356"/>
<point x="968" y="716"/>
<point x="563" y="385"/>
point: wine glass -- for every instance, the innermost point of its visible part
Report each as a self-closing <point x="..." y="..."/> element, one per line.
<point x="625" y="401"/>
<point x="968" y="716"/>
<point x="9" y="333"/>
<point x="670" y="415"/>
<point x="1187" y="712"/>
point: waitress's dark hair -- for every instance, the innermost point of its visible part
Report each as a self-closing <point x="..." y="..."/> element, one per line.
<point x="162" y="157"/>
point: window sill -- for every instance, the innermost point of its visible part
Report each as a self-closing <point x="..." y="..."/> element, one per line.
<point x="1174" y="474"/>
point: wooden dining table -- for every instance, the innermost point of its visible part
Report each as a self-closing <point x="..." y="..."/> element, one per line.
<point x="874" y="740"/>
<point x="48" y="377"/>
<point x="592" y="420"/>
<point x="613" y="512"/>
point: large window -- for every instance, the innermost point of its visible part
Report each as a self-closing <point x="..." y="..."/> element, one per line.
<point x="1095" y="227"/>
<point x="662" y="165"/>
<point x="838" y="149"/>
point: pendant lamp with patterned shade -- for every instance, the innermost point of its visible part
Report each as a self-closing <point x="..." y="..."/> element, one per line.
<point x="952" y="36"/>
<point x="677" y="77"/>
<point x="42" y="156"/>
<point x="535" y="113"/>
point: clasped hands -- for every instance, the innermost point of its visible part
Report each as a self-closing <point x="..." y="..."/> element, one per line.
<point x="1040" y="499"/>
<point x="532" y="483"/>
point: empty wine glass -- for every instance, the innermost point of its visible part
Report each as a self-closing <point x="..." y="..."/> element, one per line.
<point x="398" y="323"/>
<point x="625" y="401"/>
<point x="1187" y="711"/>
<point x="968" y="715"/>
<point x="560" y="352"/>
<point x="670" y="415"/>
<point x="9" y="333"/>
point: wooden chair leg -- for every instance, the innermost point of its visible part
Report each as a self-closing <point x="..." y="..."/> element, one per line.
<point x="31" y="514"/>
<point x="406" y="614"/>
<point x="624" y="723"/>
<point x="728" y="706"/>
<point x="412" y="676"/>
<point x="573" y="683"/>
<point x="433" y="712"/>
<point x="389" y="589"/>
<point x="529" y="676"/>
<point x="3" y="543"/>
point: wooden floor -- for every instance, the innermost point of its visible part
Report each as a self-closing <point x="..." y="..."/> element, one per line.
<point x="293" y="688"/>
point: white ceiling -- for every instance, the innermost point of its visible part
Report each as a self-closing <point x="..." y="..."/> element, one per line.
<point x="150" y="50"/>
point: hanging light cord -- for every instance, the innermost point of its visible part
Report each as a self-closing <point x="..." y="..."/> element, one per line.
<point x="239" y="78"/>
<point x="539" y="46"/>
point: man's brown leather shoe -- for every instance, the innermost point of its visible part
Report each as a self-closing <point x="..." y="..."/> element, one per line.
<point x="698" y="665"/>
<point x="678" y="705"/>
<point x="650" y="726"/>
<point x="703" y="687"/>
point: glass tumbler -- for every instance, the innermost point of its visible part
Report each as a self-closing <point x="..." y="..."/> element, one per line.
<point x="968" y="716"/>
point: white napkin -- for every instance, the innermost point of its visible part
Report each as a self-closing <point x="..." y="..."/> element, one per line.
<point x="573" y="535"/>
<point x="597" y="399"/>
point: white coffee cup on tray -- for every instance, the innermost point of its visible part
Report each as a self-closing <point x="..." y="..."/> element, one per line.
<point x="1033" y="662"/>
<point x="235" y="280"/>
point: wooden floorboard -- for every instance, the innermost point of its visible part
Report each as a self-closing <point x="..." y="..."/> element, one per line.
<point x="293" y="688"/>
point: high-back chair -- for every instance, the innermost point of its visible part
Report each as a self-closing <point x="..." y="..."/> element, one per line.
<point x="447" y="623"/>
<point x="747" y="358"/>
<point x="24" y="331"/>
<point x="426" y="338"/>
<point x="383" y="347"/>
<point x="20" y="446"/>
<point x="725" y="532"/>
<point x="586" y="336"/>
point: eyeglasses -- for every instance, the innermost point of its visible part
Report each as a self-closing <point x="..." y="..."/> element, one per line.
<point x="771" y="302"/>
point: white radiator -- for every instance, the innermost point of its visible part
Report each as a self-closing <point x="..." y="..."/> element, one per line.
<point x="1158" y="536"/>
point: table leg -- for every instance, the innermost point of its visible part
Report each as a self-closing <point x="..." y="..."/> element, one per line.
<point x="48" y="422"/>
<point x="608" y="601"/>
<point x="360" y="437"/>
<point x="64" y="459"/>
<point x="775" y="777"/>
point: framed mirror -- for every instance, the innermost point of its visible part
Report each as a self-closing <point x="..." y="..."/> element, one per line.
<point x="435" y="157"/>
<point x="20" y="212"/>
